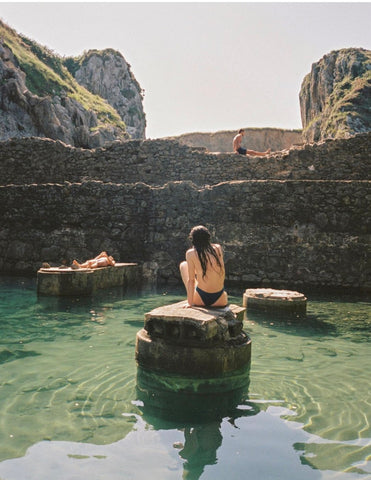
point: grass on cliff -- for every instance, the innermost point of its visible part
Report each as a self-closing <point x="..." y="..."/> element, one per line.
<point x="46" y="75"/>
<point x="349" y="98"/>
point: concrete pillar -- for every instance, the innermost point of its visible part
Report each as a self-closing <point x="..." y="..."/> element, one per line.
<point x="279" y="301"/>
<point x="195" y="342"/>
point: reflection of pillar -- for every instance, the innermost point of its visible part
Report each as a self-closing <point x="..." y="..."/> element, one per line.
<point x="200" y="446"/>
<point x="193" y="370"/>
<point x="191" y="400"/>
<point x="165" y="405"/>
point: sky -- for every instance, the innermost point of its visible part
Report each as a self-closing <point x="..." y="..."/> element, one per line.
<point x="204" y="66"/>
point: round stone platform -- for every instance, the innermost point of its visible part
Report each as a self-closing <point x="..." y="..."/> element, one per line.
<point x="270" y="300"/>
<point x="196" y="342"/>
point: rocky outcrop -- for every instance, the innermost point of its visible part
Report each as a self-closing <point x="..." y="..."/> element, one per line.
<point x="335" y="97"/>
<point x="107" y="74"/>
<point x="39" y="96"/>
<point x="255" y="139"/>
<point x="23" y="114"/>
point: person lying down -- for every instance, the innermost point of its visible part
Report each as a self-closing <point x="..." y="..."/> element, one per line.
<point x="102" y="260"/>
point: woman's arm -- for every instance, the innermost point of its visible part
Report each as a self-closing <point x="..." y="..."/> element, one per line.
<point x="219" y="252"/>
<point x="191" y="278"/>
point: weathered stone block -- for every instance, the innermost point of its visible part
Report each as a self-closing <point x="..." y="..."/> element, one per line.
<point x="197" y="341"/>
<point x="84" y="281"/>
<point x="178" y="324"/>
<point x="271" y="300"/>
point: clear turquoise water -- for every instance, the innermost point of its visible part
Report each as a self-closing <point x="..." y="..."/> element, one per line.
<point x="71" y="408"/>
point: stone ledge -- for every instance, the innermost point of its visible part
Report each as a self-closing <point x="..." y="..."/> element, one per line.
<point x="269" y="299"/>
<point x="85" y="281"/>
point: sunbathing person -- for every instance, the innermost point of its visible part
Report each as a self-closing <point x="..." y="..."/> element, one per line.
<point x="102" y="260"/>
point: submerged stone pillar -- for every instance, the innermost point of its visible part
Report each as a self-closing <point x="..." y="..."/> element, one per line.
<point x="279" y="301"/>
<point x="198" y="343"/>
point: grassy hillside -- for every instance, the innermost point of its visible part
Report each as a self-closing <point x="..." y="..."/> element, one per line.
<point x="46" y="75"/>
<point x="348" y="104"/>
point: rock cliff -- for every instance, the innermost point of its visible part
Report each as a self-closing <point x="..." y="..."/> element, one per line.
<point x="335" y="97"/>
<point x="40" y="97"/>
<point x="107" y="74"/>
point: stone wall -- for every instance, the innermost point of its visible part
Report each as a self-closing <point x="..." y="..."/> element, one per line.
<point x="154" y="162"/>
<point x="255" y="139"/>
<point x="286" y="233"/>
<point x="293" y="219"/>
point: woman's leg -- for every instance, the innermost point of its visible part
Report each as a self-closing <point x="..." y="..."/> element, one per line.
<point x="183" y="267"/>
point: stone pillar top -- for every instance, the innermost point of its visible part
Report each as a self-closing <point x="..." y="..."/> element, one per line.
<point x="269" y="299"/>
<point x="197" y="342"/>
<point x="272" y="294"/>
<point x="179" y="311"/>
<point x="176" y="323"/>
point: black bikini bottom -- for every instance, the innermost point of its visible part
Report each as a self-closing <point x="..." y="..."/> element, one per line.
<point x="209" y="298"/>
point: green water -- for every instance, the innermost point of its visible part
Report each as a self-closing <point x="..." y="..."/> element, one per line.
<point x="72" y="407"/>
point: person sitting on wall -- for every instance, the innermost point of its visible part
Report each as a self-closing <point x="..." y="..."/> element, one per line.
<point x="102" y="260"/>
<point x="203" y="271"/>
<point x="242" y="151"/>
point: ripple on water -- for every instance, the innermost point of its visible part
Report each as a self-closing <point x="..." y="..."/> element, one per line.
<point x="69" y="374"/>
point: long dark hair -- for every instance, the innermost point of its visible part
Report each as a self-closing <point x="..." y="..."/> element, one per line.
<point x="200" y="238"/>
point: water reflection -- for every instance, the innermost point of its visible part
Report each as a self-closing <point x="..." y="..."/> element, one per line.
<point x="198" y="416"/>
<point x="304" y="326"/>
<point x="347" y="318"/>
<point x="69" y="396"/>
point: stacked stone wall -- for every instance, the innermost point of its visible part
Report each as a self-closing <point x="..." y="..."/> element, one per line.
<point x="299" y="217"/>
<point x="283" y="233"/>
<point x="155" y="162"/>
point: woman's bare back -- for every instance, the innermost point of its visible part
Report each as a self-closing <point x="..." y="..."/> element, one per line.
<point x="213" y="280"/>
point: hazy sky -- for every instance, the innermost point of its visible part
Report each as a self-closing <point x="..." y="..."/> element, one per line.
<point x="204" y="66"/>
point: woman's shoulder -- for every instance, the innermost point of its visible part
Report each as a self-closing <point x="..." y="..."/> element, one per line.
<point x="218" y="249"/>
<point x="190" y="252"/>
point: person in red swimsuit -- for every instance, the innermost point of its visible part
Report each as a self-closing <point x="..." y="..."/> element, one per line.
<point x="203" y="271"/>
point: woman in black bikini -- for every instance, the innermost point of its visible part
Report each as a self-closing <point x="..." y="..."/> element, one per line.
<point x="203" y="271"/>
